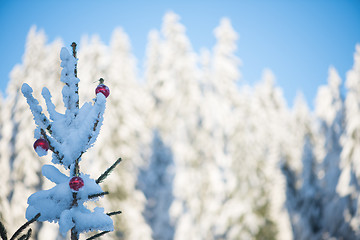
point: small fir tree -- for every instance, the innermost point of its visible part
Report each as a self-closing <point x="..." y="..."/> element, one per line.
<point x="68" y="136"/>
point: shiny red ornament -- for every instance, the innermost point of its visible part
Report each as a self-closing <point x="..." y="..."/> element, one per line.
<point x="76" y="183"/>
<point x="42" y="143"/>
<point x="103" y="89"/>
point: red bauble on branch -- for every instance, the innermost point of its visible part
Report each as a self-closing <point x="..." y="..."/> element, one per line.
<point x="41" y="146"/>
<point x="102" y="88"/>
<point x="76" y="183"/>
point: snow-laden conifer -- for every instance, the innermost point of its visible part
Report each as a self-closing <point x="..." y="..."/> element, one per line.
<point x="155" y="180"/>
<point x="348" y="185"/>
<point x="69" y="135"/>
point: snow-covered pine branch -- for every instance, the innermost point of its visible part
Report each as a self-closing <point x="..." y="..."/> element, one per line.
<point x="68" y="136"/>
<point x="40" y="119"/>
<point x="70" y="90"/>
<point x="72" y="133"/>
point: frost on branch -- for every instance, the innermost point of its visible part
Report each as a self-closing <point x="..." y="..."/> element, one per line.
<point x="70" y="90"/>
<point x="72" y="133"/>
<point x="68" y="135"/>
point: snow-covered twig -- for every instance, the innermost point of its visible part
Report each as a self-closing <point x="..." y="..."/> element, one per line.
<point x="51" y="145"/>
<point x="40" y="119"/>
<point x="54" y="115"/>
<point x="73" y="45"/>
<point x="70" y="90"/>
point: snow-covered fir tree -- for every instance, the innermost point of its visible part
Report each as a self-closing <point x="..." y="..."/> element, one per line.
<point x="348" y="185"/>
<point x="176" y="94"/>
<point x="68" y="135"/>
<point x="300" y="172"/>
<point x="330" y="114"/>
<point x="269" y="114"/>
<point x="5" y="169"/>
<point x="155" y="180"/>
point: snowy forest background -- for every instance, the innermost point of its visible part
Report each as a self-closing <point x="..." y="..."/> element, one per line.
<point x="205" y="156"/>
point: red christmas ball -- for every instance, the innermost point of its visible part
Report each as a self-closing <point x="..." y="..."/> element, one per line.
<point x="103" y="89"/>
<point x="76" y="183"/>
<point x="42" y="143"/>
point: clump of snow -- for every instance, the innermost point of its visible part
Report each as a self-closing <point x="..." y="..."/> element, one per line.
<point x="40" y="119"/>
<point x="56" y="204"/>
<point x="84" y="220"/>
<point x="53" y="174"/>
<point x="74" y="132"/>
<point x="50" y="203"/>
<point x="40" y="151"/>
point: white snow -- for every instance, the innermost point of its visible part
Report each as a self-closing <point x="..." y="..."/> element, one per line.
<point x="40" y="151"/>
<point x="53" y="174"/>
<point x="84" y="220"/>
<point x="55" y="204"/>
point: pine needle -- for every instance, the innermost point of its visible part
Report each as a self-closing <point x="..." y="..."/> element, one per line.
<point x="97" y="195"/>
<point x="113" y="213"/>
<point x="97" y="235"/>
<point x="22" y="228"/>
<point x="3" y="233"/>
<point x="27" y="236"/>
<point x="107" y="172"/>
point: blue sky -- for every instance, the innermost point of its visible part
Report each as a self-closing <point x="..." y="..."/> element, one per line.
<point x="297" y="39"/>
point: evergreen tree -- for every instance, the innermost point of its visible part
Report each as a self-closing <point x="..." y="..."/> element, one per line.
<point x="300" y="172"/>
<point x="269" y="116"/>
<point x="330" y="113"/>
<point x="23" y="172"/>
<point x="348" y="185"/>
<point x="175" y="94"/>
<point x="5" y="169"/>
<point x="155" y="180"/>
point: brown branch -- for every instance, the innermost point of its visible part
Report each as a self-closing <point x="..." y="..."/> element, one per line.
<point x="22" y="228"/>
<point x="74" y="234"/>
<point x="77" y="166"/>
<point x="89" y="139"/>
<point x="74" y="202"/>
<point x="73" y="45"/>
